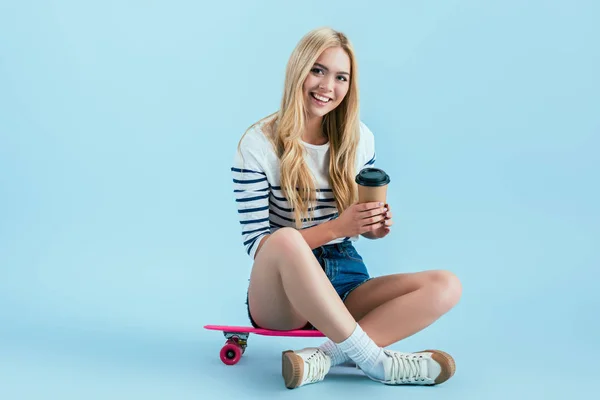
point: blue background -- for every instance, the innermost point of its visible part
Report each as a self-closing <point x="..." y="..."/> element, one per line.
<point x="119" y="237"/>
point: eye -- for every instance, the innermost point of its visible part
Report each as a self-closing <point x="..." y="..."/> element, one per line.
<point x="342" y="78"/>
<point x="317" y="70"/>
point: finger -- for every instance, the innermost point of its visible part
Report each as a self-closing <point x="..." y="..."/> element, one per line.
<point x="389" y="222"/>
<point x="369" y="206"/>
<point x="374" y="212"/>
<point x="372" y="227"/>
<point x="377" y="226"/>
<point x="374" y="220"/>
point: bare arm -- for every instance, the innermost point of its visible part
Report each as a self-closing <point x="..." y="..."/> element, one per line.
<point x="321" y="234"/>
<point x="358" y="219"/>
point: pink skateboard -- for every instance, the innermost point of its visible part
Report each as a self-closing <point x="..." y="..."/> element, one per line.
<point x="237" y="339"/>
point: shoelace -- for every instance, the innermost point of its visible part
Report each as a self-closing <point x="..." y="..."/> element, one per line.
<point x="317" y="364"/>
<point x="407" y="367"/>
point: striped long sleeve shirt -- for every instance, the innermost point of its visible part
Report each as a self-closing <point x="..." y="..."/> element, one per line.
<point x="261" y="205"/>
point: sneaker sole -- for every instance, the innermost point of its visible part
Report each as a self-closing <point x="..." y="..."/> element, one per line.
<point x="292" y="369"/>
<point x="446" y="362"/>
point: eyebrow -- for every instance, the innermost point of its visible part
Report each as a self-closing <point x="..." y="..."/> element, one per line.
<point x="327" y="69"/>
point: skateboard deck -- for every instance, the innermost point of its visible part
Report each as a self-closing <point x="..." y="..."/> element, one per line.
<point x="237" y="339"/>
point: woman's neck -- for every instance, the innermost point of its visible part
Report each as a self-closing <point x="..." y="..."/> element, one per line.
<point x="313" y="132"/>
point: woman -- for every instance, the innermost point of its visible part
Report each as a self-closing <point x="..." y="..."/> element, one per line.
<point x="297" y="201"/>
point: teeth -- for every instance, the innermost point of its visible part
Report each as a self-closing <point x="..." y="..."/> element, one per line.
<point x="321" y="98"/>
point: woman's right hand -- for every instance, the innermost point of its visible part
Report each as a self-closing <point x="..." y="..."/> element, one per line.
<point x="359" y="218"/>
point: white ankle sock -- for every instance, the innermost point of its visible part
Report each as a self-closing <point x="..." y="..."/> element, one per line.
<point x="337" y="356"/>
<point x="364" y="352"/>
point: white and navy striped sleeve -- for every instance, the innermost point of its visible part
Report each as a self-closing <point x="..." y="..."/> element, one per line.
<point x="367" y="147"/>
<point x="251" y="191"/>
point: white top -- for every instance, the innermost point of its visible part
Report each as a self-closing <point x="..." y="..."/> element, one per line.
<point x="262" y="208"/>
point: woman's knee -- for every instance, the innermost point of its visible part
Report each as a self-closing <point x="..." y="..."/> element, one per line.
<point x="287" y="240"/>
<point x="447" y="290"/>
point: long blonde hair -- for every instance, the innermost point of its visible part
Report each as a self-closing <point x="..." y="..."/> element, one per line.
<point x="341" y="126"/>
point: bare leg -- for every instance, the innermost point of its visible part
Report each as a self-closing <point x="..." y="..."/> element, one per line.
<point x="394" y="307"/>
<point x="288" y="287"/>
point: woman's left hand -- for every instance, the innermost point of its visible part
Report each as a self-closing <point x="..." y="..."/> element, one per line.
<point x="385" y="229"/>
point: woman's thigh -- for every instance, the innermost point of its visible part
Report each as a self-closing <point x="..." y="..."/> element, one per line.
<point x="382" y="289"/>
<point x="267" y="301"/>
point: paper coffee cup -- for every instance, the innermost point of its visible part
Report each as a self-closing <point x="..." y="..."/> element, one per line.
<point x="372" y="185"/>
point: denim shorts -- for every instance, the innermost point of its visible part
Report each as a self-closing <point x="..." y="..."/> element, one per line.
<point x="343" y="266"/>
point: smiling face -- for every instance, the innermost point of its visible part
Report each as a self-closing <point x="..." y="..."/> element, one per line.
<point x="327" y="83"/>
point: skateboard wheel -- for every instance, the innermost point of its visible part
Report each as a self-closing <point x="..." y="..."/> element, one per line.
<point x="231" y="354"/>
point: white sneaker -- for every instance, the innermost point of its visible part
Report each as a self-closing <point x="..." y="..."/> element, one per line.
<point x="304" y="366"/>
<point x="429" y="367"/>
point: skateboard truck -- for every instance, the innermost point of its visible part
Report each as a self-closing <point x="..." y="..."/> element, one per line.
<point x="241" y="339"/>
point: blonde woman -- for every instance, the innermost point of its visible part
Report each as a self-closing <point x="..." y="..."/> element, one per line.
<point x="294" y="183"/>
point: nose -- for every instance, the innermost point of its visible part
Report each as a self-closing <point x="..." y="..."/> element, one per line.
<point x="326" y="84"/>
